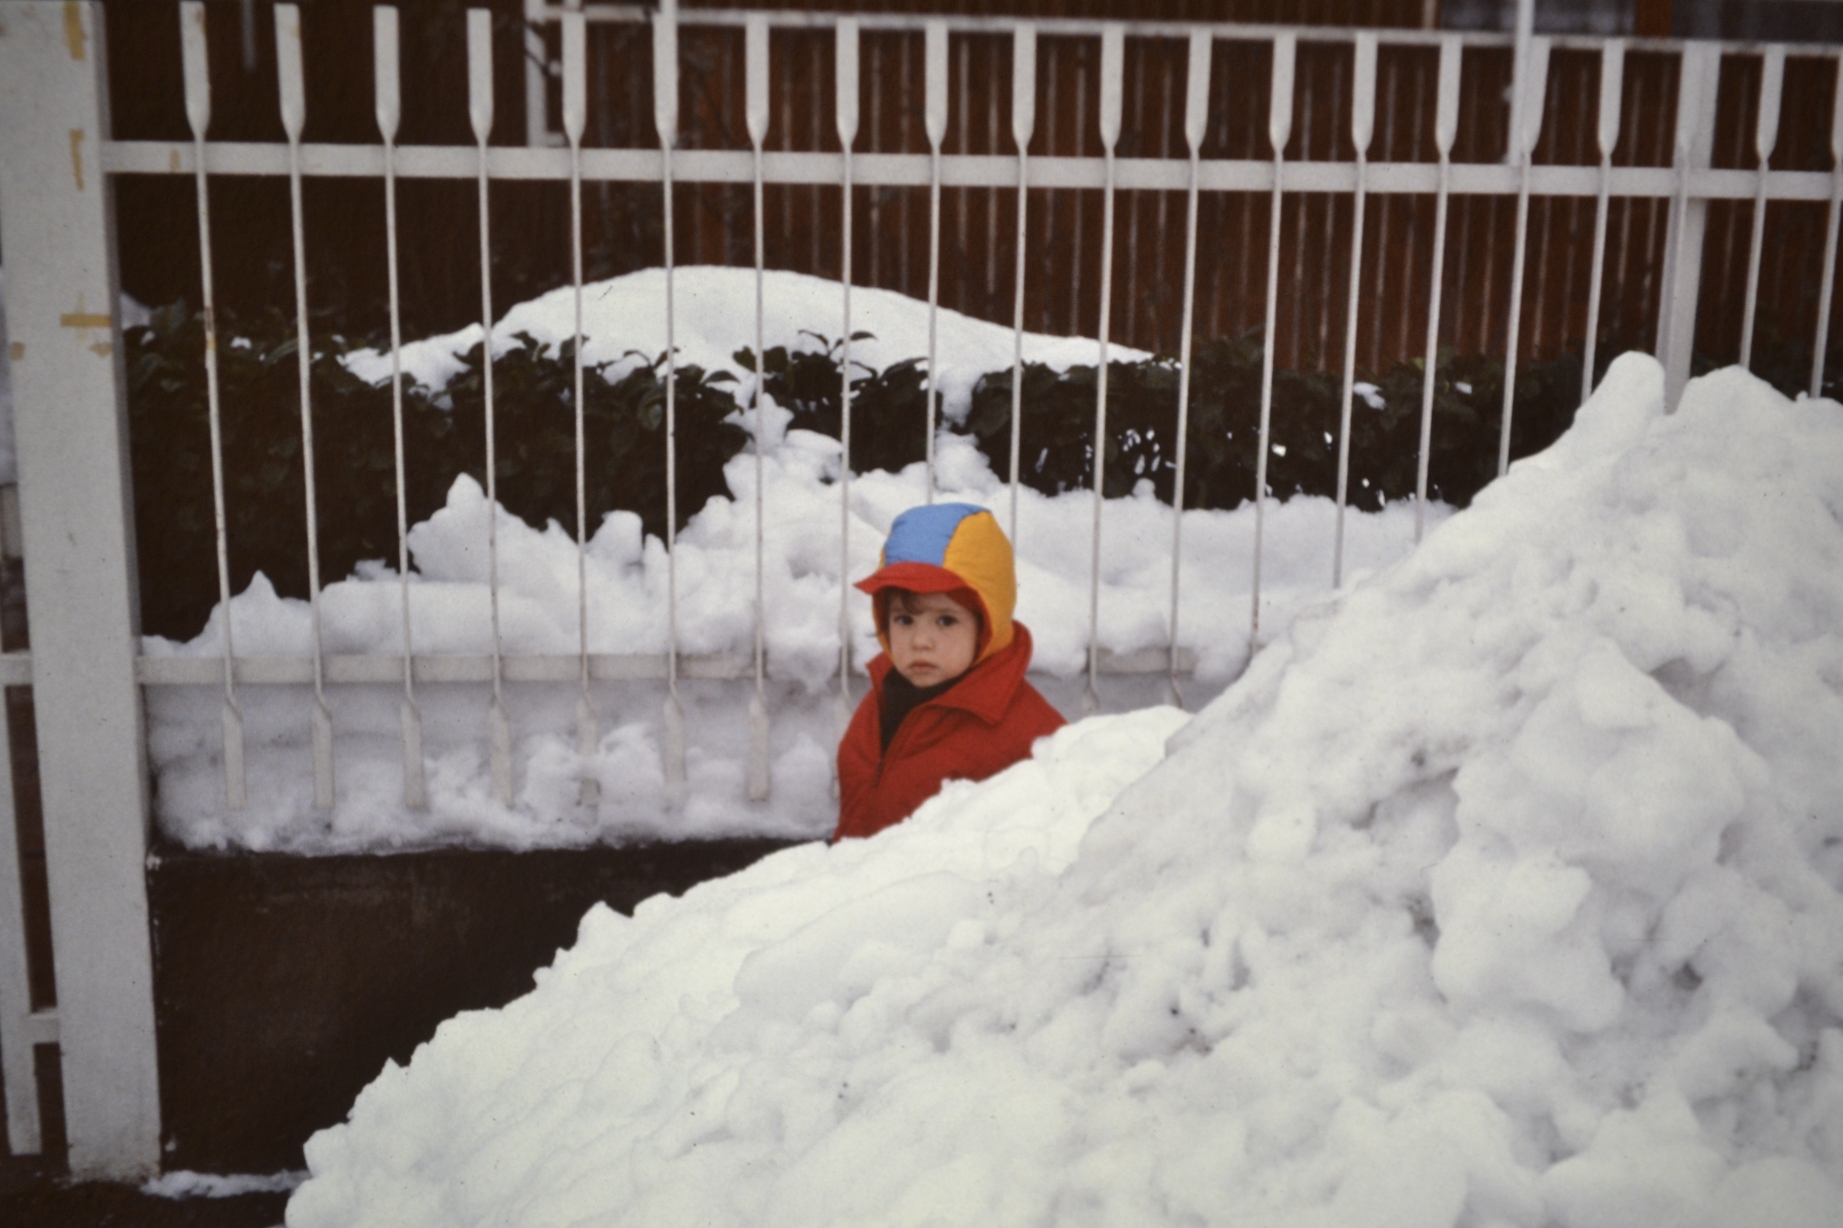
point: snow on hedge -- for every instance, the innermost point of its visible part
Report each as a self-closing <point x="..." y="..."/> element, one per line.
<point x="1503" y="889"/>
<point x="713" y="314"/>
<point x="627" y="587"/>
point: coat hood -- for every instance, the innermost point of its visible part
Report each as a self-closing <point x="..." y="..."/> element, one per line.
<point x="952" y="548"/>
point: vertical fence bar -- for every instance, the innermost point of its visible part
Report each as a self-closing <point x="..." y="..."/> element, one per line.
<point x="76" y="517"/>
<point x="1696" y="82"/>
<point x="1113" y="56"/>
<point x="1827" y="287"/>
<point x="1445" y="128"/>
<point x="537" y="119"/>
<point x="1530" y="86"/>
<point x="198" y="115"/>
<point x="294" y="116"/>
<point x="1362" y="129"/>
<point x="388" y="92"/>
<point x="1765" y="136"/>
<point x="575" y="118"/>
<point x="1612" y="97"/>
<point x="1023" y="125"/>
<point x="665" y="121"/>
<point x="846" y="113"/>
<point x="934" y="119"/>
<point x="1279" y="130"/>
<point x="756" y="56"/>
<point x="480" y="115"/>
<point x="1196" y="126"/>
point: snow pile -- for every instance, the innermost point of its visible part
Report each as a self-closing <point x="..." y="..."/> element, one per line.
<point x="627" y="602"/>
<point x="1502" y="890"/>
<point x="183" y="1183"/>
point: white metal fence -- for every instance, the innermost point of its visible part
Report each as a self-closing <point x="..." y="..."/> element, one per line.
<point x="56" y="160"/>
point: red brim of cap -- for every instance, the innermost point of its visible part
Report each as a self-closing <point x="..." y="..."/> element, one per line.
<point x="915" y="577"/>
<point x="925" y="578"/>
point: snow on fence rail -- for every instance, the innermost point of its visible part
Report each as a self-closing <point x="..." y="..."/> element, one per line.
<point x="84" y="670"/>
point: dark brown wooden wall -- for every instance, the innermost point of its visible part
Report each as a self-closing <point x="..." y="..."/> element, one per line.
<point x="714" y="224"/>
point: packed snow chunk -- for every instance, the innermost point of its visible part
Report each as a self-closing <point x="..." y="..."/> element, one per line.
<point x="846" y="939"/>
<point x="1502" y="889"/>
<point x="183" y="1183"/>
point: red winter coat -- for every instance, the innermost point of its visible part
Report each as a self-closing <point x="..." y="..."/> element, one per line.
<point x="979" y="727"/>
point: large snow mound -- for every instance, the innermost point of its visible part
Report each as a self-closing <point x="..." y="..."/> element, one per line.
<point x="1503" y="890"/>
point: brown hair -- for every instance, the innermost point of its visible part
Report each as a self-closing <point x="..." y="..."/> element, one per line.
<point x="890" y="599"/>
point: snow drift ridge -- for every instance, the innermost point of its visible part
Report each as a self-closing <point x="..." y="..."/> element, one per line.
<point x="1503" y="890"/>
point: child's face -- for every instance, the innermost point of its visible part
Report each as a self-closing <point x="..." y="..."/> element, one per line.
<point x="933" y="638"/>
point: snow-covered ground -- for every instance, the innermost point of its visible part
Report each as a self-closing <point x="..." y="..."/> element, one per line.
<point x="182" y="1184"/>
<point x="1503" y="889"/>
<point x="627" y="604"/>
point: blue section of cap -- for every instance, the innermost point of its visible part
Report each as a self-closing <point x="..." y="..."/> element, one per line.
<point x="921" y="534"/>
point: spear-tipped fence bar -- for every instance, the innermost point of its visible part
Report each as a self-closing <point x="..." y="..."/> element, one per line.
<point x="1612" y="94"/>
<point x="1445" y="129"/>
<point x="1279" y="131"/>
<point x="575" y="114"/>
<point x="755" y="51"/>
<point x="1696" y="82"/>
<point x="1688" y="179"/>
<point x="665" y="121"/>
<point x="1023" y="125"/>
<point x="198" y="115"/>
<point x="1113" y="56"/>
<point x="934" y="122"/>
<point x="845" y="56"/>
<point x="1362" y="128"/>
<point x="389" y="111"/>
<point x="1196" y="126"/>
<point x="1530" y="87"/>
<point x="480" y="115"/>
<point x="1765" y="137"/>
<point x="291" y="85"/>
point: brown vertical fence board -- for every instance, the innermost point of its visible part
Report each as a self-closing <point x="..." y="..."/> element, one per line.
<point x="623" y="222"/>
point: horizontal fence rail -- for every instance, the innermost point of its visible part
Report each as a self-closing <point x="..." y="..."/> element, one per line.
<point x="962" y="170"/>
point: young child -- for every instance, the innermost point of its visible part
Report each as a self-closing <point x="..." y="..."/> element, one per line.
<point x="948" y="698"/>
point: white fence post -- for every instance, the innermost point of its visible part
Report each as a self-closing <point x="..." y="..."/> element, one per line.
<point x="56" y="227"/>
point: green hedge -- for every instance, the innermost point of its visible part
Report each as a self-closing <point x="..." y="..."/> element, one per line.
<point x="444" y="436"/>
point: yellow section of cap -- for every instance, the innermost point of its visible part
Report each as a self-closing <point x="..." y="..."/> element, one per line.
<point x="980" y="554"/>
